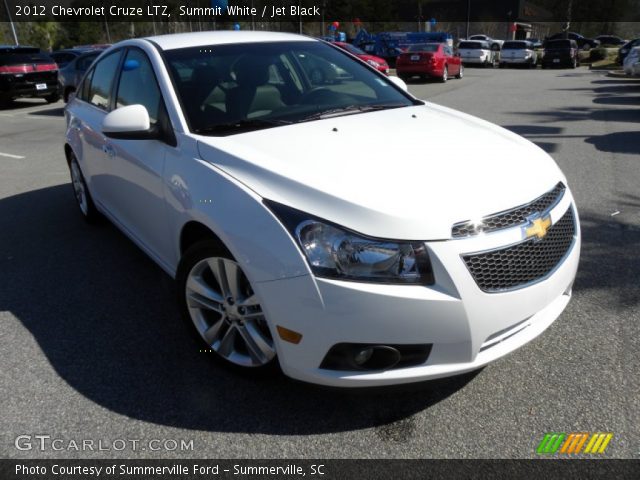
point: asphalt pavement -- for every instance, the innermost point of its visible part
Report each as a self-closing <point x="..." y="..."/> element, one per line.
<point x="92" y="348"/>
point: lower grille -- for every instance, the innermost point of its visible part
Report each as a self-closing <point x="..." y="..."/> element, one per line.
<point x="524" y="263"/>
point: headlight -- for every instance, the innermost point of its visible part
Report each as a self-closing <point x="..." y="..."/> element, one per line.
<point x="334" y="252"/>
<point x="373" y="63"/>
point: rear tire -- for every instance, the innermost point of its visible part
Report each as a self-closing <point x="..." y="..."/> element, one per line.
<point x="81" y="192"/>
<point x="445" y="74"/>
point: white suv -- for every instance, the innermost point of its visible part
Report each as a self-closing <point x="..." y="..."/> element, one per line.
<point x="518" y="52"/>
<point x="477" y="53"/>
<point x="295" y="236"/>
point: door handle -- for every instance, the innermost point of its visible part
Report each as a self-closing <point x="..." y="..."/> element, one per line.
<point x="108" y="149"/>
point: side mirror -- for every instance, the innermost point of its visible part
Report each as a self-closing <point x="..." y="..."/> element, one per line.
<point x="398" y="82"/>
<point x="129" y="123"/>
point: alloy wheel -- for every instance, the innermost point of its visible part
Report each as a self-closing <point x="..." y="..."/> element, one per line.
<point x="227" y="313"/>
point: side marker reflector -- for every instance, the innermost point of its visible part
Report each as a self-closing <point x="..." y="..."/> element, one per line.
<point x="289" y="335"/>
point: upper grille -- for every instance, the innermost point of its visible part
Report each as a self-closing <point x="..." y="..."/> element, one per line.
<point x="509" y="218"/>
<point x="525" y="262"/>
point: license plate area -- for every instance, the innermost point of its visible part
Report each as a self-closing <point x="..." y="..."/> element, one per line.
<point x="556" y="60"/>
<point x="415" y="58"/>
<point x="41" y="86"/>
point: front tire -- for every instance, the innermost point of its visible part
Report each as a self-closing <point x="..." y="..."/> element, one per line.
<point x="216" y="297"/>
<point x="81" y="192"/>
<point x="460" y="72"/>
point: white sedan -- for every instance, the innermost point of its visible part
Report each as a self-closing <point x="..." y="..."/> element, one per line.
<point x="296" y="236"/>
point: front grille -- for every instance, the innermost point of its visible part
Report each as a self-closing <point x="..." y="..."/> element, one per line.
<point x="509" y="218"/>
<point x="523" y="263"/>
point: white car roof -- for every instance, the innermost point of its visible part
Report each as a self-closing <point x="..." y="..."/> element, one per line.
<point x="221" y="37"/>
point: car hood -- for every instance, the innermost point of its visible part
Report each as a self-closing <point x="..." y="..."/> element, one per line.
<point x="407" y="173"/>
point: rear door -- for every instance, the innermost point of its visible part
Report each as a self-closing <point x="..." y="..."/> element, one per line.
<point x="87" y="111"/>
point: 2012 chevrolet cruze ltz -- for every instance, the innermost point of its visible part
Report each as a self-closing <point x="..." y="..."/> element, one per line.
<point x="315" y="214"/>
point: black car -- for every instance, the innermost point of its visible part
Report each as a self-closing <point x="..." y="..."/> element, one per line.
<point x="583" y="42"/>
<point x="27" y="72"/>
<point x="610" y="40"/>
<point x="560" y="53"/>
<point x="71" y="74"/>
<point x="626" y="48"/>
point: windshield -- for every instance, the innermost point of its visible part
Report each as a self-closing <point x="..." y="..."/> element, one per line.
<point x="471" y="45"/>
<point x="553" y="44"/>
<point x="424" y="47"/>
<point x="227" y="89"/>
<point x="514" y="46"/>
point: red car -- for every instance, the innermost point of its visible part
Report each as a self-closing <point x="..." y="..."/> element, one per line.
<point x="376" y="62"/>
<point x="435" y="60"/>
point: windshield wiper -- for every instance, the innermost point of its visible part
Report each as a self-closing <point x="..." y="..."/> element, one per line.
<point x="246" y="125"/>
<point x="350" y="110"/>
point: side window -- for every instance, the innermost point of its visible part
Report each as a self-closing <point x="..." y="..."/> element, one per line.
<point x="83" y="63"/>
<point x="138" y="84"/>
<point x="83" y="89"/>
<point x="102" y="80"/>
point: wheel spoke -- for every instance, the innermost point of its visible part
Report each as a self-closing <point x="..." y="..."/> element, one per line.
<point x="233" y="277"/>
<point x="226" y="346"/>
<point x="258" y="348"/>
<point x="250" y="301"/>
<point x="217" y="267"/>
<point x="211" y="335"/>
<point x="204" y="295"/>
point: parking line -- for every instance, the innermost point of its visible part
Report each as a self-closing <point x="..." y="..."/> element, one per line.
<point x="10" y="155"/>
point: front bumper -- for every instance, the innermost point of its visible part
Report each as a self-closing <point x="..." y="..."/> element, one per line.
<point x="466" y="327"/>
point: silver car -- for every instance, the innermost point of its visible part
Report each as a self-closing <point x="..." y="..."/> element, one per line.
<point x="477" y="53"/>
<point x="518" y="52"/>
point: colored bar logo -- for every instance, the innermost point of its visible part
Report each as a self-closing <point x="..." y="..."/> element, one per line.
<point x="573" y="443"/>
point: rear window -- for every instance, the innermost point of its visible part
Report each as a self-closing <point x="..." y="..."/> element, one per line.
<point x="19" y="58"/>
<point x="514" y="46"/>
<point x="424" y="47"/>
<point x="471" y="45"/>
<point x="551" y="44"/>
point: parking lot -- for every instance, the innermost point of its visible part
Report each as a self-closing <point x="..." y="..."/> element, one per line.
<point x="92" y="347"/>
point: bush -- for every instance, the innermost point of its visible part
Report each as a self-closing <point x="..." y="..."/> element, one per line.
<point x="597" y="54"/>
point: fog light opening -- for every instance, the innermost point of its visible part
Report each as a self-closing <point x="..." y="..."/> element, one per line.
<point x="363" y="356"/>
<point x="379" y="357"/>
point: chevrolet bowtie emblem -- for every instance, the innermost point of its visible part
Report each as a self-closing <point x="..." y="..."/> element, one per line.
<point x="538" y="227"/>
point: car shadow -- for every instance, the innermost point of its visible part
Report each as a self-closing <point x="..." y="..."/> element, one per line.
<point x="104" y="316"/>
<point x="617" y="142"/>
<point x="617" y="100"/>
<point x="51" y="112"/>
<point x="22" y="103"/>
